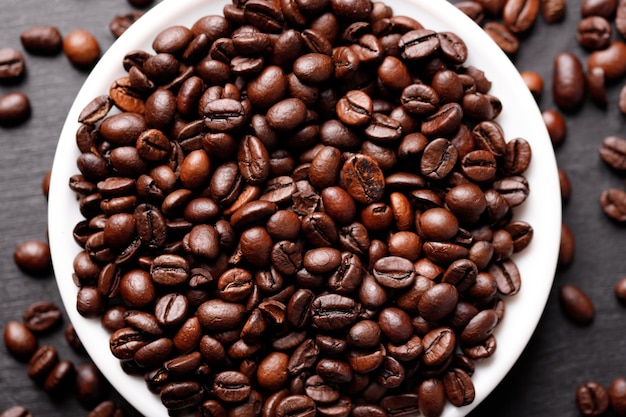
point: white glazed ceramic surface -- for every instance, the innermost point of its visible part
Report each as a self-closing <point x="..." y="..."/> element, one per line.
<point x="520" y="118"/>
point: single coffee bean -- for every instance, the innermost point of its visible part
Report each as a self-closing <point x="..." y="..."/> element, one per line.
<point x="592" y="399"/>
<point x="33" y="257"/>
<point x="12" y="64"/>
<point x="431" y="397"/>
<point x="120" y="22"/>
<point x="613" y="203"/>
<point x="363" y="179"/>
<point x="42" y="316"/>
<point x="613" y="152"/>
<point x="520" y="15"/>
<point x="42" y="362"/>
<point x="42" y="40"/>
<point x="231" y="386"/>
<point x="576" y="304"/>
<point x="458" y="387"/>
<point x="296" y="405"/>
<point x="15" y="109"/>
<point x="81" y="48"/>
<point x="594" y="33"/>
<point x="59" y="379"/>
<point x="19" y="341"/>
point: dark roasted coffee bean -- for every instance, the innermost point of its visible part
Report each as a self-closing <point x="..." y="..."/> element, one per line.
<point x="438" y="159"/>
<point x="568" y="86"/>
<point x="553" y="11"/>
<point x="520" y="15"/>
<point x="42" y="40"/>
<point x="459" y="387"/>
<point x="576" y="304"/>
<point x="613" y="152"/>
<point x="12" y="64"/>
<point x="59" y="379"/>
<point x="333" y="311"/>
<point x="14" y="108"/>
<point x="231" y="386"/>
<point x="402" y="405"/>
<point x="594" y="33"/>
<point x="363" y="179"/>
<point x="355" y="108"/>
<point x="431" y="397"/>
<point x="42" y="316"/>
<point x="42" y="362"/>
<point x="181" y="395"/>
<point x="33" y="257"/>
<point x="89" y="384"/>
<point x="592" y="399"/>
<point x="613" y="203"/>
<point x="296" y="405"/>
<point x="120" y="22"/>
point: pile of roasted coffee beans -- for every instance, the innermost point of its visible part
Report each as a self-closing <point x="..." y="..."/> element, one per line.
<point x="300" y="209"/>
<point x="506" y="21"/>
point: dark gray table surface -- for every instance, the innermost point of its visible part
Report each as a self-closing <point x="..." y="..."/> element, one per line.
<point x="560" y="355"/>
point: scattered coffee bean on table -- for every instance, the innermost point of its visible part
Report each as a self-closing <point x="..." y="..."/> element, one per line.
<point x="81" y="48"/>
<point x="33" y="257"/>
<point x="258" y="201"/>
<point x="15" y="109"/>
<point x="576" y="304"/>
<point x="12" y="65"/>
<point x="592" y="399"/>
<point x="42" y="40"/>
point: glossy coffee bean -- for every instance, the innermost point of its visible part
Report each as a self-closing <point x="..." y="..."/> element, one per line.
<point x="592" y="399"/>
<point x="576" y="304"/>
<point x="15" y="109"/>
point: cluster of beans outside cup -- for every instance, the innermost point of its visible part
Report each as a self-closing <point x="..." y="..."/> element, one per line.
<point x="304" y="209"/>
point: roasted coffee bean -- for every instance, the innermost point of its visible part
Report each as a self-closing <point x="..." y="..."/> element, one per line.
<point x="120" y="22"/>
<point x="613" y="203"/>
<point x="42" y="40"/>
<point x="604" y="8"/>
<point x="363" y="179"/>
<point x="613" y="152"/>
<point x="59" y="379"/>
<point x="296" y="405"/>
<point x="520" y="15"/>
<point x="42" y="316"/>
<point x="567" y="247"/>
<point x="355" y="108"/>
<point x="592" y="399"/>
<point x="15" y="109"/>
<point x="402" y="405"/>
<point x="42" y="362"/>
<point x="576" y="304"/>
<point x="89" y="384"/>
<point x="20" y="341"/>
<point x="594" y="33"/>
<point x="333" y="311"/>
<point x="458" y="387"/>
<point x="12" y="64"/>
<point x="431" y="397"/>
<point x="33" y="257"/>
<point x="568" y="85"/>
<point x="231" y="386"/>
<point x="81" y="48"/>
<point x="181" y="395"/>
